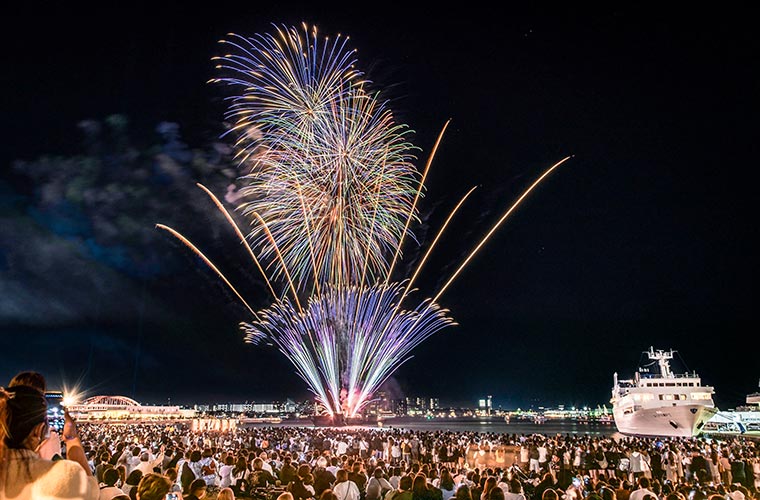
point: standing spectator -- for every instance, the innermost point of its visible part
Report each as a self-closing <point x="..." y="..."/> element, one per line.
<point x="344" y="488"/>
<point x="108" y="488"/>
<point x="208" y="468"/>
<point x="225" y="472"/>
<point x="378" y="486"/>
<point x="133" y="479"/>
<point x="359" y="477"/>
<point x="146" y="465"/>
<point x="323" y="478"/>
<point x="642" y="490"/>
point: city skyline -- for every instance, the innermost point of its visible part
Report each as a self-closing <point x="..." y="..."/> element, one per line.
<point x="644" y="238"/>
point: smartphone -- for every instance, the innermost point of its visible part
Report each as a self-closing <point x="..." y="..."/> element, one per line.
<point x="55" y="409"/>
<point x="172" y="496"/>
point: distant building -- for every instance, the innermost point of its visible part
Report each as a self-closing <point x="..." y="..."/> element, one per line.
<point x="414" y="405"/>
<point x="381" y="404"/>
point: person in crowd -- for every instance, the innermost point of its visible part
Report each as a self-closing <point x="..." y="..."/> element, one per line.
<point x="344" y="488"/>
<point x="377" y="486"/>
<point x="550" y="494"/>
<point x="104" y="462"/>
<point x="133" y="479"/>
<point x="359" y="477"/>
<point x="260" y="477"/>
<point x="225" y="493"/>
<point x="328" y="495"/>
<point x="148" y="464"/>
<point x="300" y="487"/>
<point x="197" y="490"/>
<point x="225" y="472"/>
<point x="209" y="467"/>
<point x="23" y="431"/>
<point x="643" y="489"/>
<point x="515" y="490"/>
<point x="421" y="489"/>
<point x="446" y="484"/>
<point x="239" y="476"/>
<point x="171" y="473"/>
<point x="607" y="493"/>
<point x="496" y="494"/>
<point x="109" y="486"/>
<point x="323" y="478"/>
<point x="153" y="487"/>
<point x="403" y="491"/>
<point x="288" y="471"/>
<point x="489" y="484"/>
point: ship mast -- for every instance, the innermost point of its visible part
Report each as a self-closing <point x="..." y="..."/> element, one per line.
<point x="662" y="358"/>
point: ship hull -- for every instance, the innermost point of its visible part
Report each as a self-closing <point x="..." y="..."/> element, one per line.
<point x="665" y="421"/>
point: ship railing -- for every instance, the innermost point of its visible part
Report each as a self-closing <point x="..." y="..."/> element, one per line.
<point x="672" y="375"/>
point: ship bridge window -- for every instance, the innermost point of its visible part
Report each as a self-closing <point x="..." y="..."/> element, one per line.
<point x="644" y="396"/>
<point x="670" y="384"/>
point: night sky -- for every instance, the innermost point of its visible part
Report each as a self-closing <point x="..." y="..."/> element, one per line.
<point x="644" y="238"/>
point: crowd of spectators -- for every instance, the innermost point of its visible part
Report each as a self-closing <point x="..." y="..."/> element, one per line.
<point x="173" y="462"/>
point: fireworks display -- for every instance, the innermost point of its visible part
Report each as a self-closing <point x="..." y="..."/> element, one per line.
<point x="330" y="193"/>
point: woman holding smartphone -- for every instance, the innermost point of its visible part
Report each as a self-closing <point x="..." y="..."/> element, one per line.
<point x="24" y="428"/>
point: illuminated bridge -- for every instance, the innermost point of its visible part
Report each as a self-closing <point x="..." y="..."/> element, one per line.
<point x="122" y="408"/>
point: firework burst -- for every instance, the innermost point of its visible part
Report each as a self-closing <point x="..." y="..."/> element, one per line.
<point x="328" y="168"/>
<point x="347" y="340"/>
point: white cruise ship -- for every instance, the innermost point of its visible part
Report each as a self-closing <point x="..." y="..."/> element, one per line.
<point x="661" y="404"/>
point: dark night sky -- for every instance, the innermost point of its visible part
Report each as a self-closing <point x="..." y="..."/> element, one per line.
<point x="643" y="239"/>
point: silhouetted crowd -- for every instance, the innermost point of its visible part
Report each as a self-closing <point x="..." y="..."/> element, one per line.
<point x="380" y="464"/>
